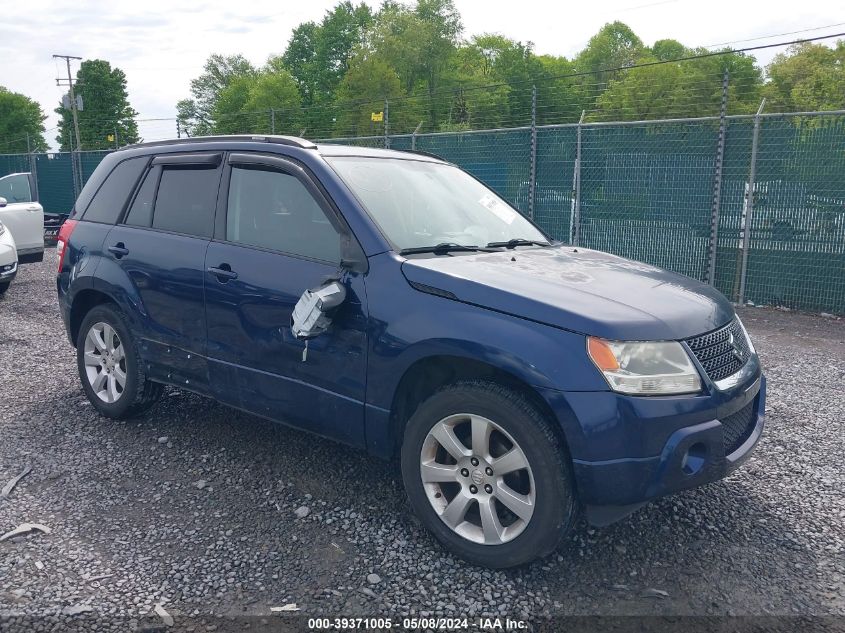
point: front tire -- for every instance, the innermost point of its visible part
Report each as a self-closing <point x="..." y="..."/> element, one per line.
<point x="109" y="366"/>
<point x="487" y="475"/>
<point x="4" y="286"/>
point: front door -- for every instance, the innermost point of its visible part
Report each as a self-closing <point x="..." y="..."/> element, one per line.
<point x="279" y="238"/>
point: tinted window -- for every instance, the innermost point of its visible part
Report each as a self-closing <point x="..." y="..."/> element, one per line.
<point x="141" y="211"/>
<point x="186" y="200"/>
<point x="15" y="188"/>
<point x="109" y="201"/>
<point x="275" y="210"/>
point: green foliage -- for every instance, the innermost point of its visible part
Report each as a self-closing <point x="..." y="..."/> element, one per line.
<point x="20" y="116"/>
<point x="106" y="110"/>
<point x="195" y="115"/>
<point x="265" y="102"/>
<point x="807" y="77"/>
<point x="336" y="72"/>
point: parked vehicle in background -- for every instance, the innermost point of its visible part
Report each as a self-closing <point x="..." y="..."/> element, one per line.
<point x="391" y="301"/>
<point x="8" y="258"/>
<point x="52" y="224"/>
<point x="23" y="216"/>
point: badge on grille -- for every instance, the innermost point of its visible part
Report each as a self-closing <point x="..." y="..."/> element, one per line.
<point x="735" y="349"/>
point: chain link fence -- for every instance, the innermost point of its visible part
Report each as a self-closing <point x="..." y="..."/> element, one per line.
<point x="754" y="204"/>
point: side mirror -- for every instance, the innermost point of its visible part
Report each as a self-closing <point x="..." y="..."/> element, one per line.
<point x="310" y="314"/>
<point x="3" y="202"/>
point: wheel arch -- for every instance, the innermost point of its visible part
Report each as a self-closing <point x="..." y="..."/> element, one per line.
<point x="83" y="302"/>
<point x="431" y="373"/>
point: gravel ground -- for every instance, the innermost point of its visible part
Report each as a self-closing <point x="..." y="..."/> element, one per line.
<point x="217" y="515"/>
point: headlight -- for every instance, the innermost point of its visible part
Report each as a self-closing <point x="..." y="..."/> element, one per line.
<point x="644" y="368"/>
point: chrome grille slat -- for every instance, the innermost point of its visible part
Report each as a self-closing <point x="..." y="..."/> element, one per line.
<point x="716" y="353"/>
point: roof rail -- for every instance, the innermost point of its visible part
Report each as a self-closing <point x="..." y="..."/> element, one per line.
<point x="423" y="153"/>
<point x="293" y="141"/>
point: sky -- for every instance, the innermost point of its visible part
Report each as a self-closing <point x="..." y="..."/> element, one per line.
<point x="161" y="45"/>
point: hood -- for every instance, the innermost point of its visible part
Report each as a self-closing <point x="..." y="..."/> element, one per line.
<point x="580" y="290"/>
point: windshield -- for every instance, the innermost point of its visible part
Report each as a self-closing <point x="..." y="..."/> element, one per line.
<point x="418" y="204"/>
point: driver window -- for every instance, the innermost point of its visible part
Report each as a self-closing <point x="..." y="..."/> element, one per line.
<point x="274" y="210"/>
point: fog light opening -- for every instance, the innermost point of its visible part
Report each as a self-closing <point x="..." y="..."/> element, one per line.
<point x="694" y="459"/>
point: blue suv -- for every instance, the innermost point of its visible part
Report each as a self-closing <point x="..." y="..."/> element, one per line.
<point x="390" y="301"/>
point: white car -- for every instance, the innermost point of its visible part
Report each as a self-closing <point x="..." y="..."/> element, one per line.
<point x="23" y="216"/>
<point x="8" y="258"/>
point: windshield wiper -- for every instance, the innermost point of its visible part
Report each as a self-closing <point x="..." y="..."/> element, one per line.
<point x="446" y="247"/>
<point x="518" y="242"/>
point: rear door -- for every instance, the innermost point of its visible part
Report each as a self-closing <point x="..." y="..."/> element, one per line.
<point x="159" y="249"/>
<point x="279" y="237"/>
<point x="21" y="214"/>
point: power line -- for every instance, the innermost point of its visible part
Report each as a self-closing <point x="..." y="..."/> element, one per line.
<point x="765" y="37"/>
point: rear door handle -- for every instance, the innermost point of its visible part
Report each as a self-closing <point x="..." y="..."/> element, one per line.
<point x="224" y="273"/>
<point x="32" y="209"/>
<point x="118" y="250"/>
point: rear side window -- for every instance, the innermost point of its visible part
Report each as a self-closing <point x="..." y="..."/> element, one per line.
<point x="187" y="197"/>
<point x="141" y="211"/>
<point x="108" y="202"/>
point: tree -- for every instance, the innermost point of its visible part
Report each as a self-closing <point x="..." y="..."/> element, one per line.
<point x="106" y="110"/>
<point x="195" y="115"/>
<point x="369" y="81"/>
<point x="614" y="46"/>
<point x="262" y="103"/>
<point x="807" y="77"/>
<point x="318" y="55"/>
<point x="20" y="116"/>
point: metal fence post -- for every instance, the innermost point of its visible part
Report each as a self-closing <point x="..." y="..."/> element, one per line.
<point x="748" y="207"/>
<point x="272" y="121"/>
<point x="532" y="172"/>
<point x="575" y="210"/>
<point x="414" y="137"/>
<point x="715" y="208"/>
<point x="386" y="124"/>
<point x="33" y="168"/>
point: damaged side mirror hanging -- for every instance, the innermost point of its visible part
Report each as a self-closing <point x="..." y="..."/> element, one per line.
<point x="310" y="314"/>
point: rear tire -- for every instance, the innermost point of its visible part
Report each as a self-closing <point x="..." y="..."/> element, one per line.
<point x="110" y="369"/>
<point x="503" y="495"/>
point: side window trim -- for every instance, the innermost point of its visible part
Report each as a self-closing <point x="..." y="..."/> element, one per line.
<point x="194" y="158"/>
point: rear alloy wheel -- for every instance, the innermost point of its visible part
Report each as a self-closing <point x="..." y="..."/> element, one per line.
<point x="487" y="475"/>
<point x="109" y="365"/>
<point x="105" y="362"/>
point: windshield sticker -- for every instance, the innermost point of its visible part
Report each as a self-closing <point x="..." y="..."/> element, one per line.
<point x="498" y="208"/>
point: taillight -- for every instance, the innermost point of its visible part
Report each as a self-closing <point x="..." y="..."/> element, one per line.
<point x="64" y="236"/>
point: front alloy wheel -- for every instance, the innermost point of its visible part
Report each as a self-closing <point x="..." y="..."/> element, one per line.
<point x="477" y="479"/>
<point x="488" y="474"/>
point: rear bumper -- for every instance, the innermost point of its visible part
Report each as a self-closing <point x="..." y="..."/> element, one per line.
<point x="694" y="454"/>
<point x="30" y="255"/>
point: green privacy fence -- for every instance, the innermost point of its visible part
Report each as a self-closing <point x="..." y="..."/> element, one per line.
<point x="767" y="217"/>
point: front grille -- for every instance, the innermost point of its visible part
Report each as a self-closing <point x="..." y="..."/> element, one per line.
<point x="722" y="352"/>
<point x="737" y="427"/>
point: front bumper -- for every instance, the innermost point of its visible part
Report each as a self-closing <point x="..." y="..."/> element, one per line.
<point x="685" y="442"/>
<point x="8" y="272"/>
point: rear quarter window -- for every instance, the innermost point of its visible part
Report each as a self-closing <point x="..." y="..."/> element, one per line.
<point x="109" y="201"/>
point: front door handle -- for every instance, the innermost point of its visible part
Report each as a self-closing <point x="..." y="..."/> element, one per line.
<point x="118" y="250"/>
<point x="32" y="209"/>
<point x="223" y="273"/>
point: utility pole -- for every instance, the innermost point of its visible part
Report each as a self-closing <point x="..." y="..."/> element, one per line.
<point x="74" y="111"/>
